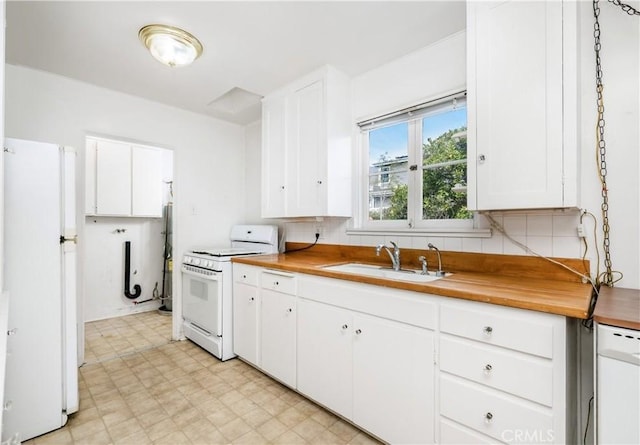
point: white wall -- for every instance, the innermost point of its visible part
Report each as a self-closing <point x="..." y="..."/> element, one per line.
<point x="208" y="153"/>
<point x="441" y="67"/>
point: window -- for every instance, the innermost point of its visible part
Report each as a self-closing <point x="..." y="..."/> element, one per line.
<point x="417" y="166"/>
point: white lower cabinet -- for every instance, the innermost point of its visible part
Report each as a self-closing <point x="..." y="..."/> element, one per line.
<point x="246" y="313"/>
<point x="393" y="380"/>
<point x="376" y="372"/>
<point x="409" y="367"/>
<point x="513" y="369"/>
<point x="278" y="328"/>
<point x="325" y="355"/>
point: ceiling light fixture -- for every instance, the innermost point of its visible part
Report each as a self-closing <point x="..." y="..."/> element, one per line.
<point x="170" y="45"/>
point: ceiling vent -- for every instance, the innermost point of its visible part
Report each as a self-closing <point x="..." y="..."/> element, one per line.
<point x="235" y="101"/>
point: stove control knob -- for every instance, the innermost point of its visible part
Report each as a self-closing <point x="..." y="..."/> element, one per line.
<point x="196" y="261"/>
<point x="208" y="263"/>
<point x="187" y="260"/>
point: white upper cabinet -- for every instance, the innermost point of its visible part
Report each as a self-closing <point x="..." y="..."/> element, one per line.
<point x="274" y="130"/>
<point x="522" y="135"/>
<point x="306" y="148"/>
<point x="146" y="181"/>
<point x="123" y="179"/>
<point x="113" y="179"/>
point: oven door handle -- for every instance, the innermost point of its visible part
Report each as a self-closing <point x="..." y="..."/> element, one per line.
<point x="213" y="277"/>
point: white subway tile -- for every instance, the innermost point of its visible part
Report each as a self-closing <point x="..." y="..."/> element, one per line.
<point x="495" y="244"/>
<point x="511" y="248"/>
<point x="453" y="244"/>
<point x="566" y="225"/>
<point x="539" y="225"/>
<point x="515" y="225"/>
<point x="473" y="245"/>
<point x="542" y="245"/>
<point x="567" y="247"/>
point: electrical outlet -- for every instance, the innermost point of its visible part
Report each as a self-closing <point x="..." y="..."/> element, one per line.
<point x="581" y="233"/>
<point x="320" y="230"/>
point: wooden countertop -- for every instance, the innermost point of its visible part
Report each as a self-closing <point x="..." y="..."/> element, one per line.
<point x="618" y="307"/>
<point x="567" y="296"/>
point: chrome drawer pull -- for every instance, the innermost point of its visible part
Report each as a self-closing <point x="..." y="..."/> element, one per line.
<point x="344" y="326"/>
<point x="488" y="417"/>
<point x="251" y="299"/>
<point x="289" y="310"/>
<point x="358" y="331"/>
<point x="487" y="369"/>
<point x="487" y="330"/>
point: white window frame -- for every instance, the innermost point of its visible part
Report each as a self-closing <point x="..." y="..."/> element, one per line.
<point x="414" y="222"/>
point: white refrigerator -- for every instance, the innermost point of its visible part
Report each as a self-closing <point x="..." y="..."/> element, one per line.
<point x="41" y="382"/>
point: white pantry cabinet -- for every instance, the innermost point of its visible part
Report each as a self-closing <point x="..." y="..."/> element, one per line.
<point x="522" y="104"/>
<point x="122" y="179"/>
<point x="306" y="148"/>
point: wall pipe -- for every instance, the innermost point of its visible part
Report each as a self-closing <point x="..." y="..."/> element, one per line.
<point x="137" y="290"/>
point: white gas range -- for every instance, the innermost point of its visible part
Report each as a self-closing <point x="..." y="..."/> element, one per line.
<point x="207" y="291"/>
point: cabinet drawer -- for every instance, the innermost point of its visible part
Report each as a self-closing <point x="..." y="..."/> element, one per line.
<point x="492" y="413"/>
<point x="500" y="326"/>
<point x="522" y="375"/>
<point x="455" y="434"/>
<point x="278" y="281"/>
<point x="245" y="274"/>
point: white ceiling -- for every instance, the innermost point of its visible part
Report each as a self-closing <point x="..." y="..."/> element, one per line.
<point x="256" y="46"/>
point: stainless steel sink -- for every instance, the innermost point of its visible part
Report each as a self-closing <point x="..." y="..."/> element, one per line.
<point x="369" y="270"/>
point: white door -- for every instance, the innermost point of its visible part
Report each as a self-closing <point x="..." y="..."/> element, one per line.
<point x="393" y="380"/>
<point x="274" y="161"/>
<point x="146" y="182"/>
<point x="516" y="98"/>
<point x="325" y="336"/>
<point x="278" y="336"/>
<point x="113" y="179"/>
<point x="245" y="322"/>
<point x="308" y="141"/>
<point x="202" y="300"/>
<point x="33" y="276"/>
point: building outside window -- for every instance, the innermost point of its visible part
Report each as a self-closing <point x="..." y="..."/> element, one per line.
<point x="417" y="166"/>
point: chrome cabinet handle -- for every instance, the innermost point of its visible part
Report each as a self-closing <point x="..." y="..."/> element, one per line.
<point x="13" y="331"/>
<point x="487" y="368"/>
<point x="251" y="299"/>
<point x="488" y="330"/>
<point x="482" y="158"/>
<point x="289" y="310"/>
<point x="344" y="327"/>
<point x="488" y="417"/>
<point x="276" y="283"/>
<point x="358" y="331"/>
<point x="244" y="277"/>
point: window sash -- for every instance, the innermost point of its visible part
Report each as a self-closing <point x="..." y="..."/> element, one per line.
<point x="413" y="117"/>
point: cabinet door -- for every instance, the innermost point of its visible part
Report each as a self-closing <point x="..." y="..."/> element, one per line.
<point x="307" y="152"/>
<point x="325" y="335"/>
<point x="245" y="322"/>
<point x="274" y="162"/>
<point x="515" y="104"/>
<point x="278" y="336"/>
<point x="393" y="380"/>
<point x="113" y="179"/>
<point x="146" y="182"/>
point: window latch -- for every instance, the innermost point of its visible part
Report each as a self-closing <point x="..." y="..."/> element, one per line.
<point x="413" y="167"/>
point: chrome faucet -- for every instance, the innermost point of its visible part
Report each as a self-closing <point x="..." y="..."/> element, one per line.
<point x="439" y="272"/>
<point x="423" y="261"/>
<point x="395" y="255"/>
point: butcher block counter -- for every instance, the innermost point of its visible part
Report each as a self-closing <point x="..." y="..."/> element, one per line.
<point x="618" y="307"/>
<point x="508" y="280"/>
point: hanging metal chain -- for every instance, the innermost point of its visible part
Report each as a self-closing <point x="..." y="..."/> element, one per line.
<point x="626" y="8"/>
<point x="602" y="149"/>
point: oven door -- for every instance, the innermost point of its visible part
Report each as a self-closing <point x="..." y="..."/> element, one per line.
<point x="202" y="300"/>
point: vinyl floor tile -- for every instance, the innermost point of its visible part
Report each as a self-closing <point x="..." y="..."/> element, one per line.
<point x="138" y="387"/>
